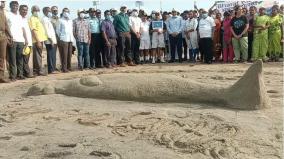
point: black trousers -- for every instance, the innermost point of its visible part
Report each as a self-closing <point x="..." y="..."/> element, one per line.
<point x="184" y="49"/>
<point x="16" y="62"/>
<point x="97" y="55"/>
<point x="51" y="57"/>
<point x="250" y="42"/>
<point x="206" y="48"/>
<point x="135" y="44"/>
<point x="26" y="69"/>
<point x="124" y="48"/>
<point x="176" y="44"/>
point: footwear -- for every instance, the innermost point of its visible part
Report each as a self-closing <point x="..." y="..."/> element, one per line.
<point x="180" y="61"/>
<point x="131" y="64"/>
<point x="122" y="65"/>
<point x="4" y="80"/>
<point x="42" y="74"/>
<point x="21" y="78"/>
<point x="30" y="76"/>
<point x="113" y="65"/>
<point x="153" y="61"/>
<point x="171" y="61"/>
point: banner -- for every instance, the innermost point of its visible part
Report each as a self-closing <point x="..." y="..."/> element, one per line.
<point x="223" y="6"/>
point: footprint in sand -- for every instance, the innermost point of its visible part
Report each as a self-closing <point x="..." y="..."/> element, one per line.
<point x="105" y="154"/>
<point x="57" y="154"/>
<point x="23" y="133"/>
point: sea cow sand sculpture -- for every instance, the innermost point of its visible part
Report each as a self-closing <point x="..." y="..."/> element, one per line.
<point x="248" y="93"/>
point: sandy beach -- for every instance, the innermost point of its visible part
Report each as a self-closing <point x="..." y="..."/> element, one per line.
<point x="59" y="126"/>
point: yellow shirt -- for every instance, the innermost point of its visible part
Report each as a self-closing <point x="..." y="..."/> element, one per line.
<point x="37" y="26"/>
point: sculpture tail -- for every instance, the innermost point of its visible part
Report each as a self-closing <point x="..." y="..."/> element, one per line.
<point x="249" y="92"/>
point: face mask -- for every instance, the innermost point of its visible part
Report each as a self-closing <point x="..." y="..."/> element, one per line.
<point x="49" y="15"/>
<point x="82" y="15"/>
<point x="66" y="15"/>
<point x="204" y="16"/>
<point x="135" y="14"/>
<point x="214" y="16"/>
<point x="108" y="17"/>
<point x="86" y="16"/>
<point x="36" y="14"/>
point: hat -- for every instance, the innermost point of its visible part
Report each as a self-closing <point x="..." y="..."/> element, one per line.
<point x="81" y="10"/>
<point x="174" y="10"/>
<point x="26" y="50"/>
<point x="123" y="6"/>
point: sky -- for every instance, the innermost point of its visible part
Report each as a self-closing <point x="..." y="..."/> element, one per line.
<point x="149" y="5"/>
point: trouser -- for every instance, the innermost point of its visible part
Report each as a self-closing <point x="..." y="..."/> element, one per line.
<point x="27" y="71"/>
<point x="250" y="44"/>
<point x="135" y="43"/>
<point x="176" y="44"/>
<point x="66" y="54"/>
<point x="192" y="54"/>
<point x="16" y="60"/>
<point x="96" y="53"/>
<point x="185" y="52"/>
<point x="3" y="45"/>
<point x="37" y="58"/>
<point x="124" y="45"/>
<point x="206" y="45"/>
<point x="51" y="57"/>
<point x="110" y="52"/>
<point x="228" y="53"/>
<point x="83" y="55"/>
<point x="240" y="46"/>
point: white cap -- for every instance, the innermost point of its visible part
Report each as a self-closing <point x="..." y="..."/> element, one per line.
<point x="81" y="10"/>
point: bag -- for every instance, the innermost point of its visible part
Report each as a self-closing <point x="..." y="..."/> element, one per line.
<point x="26" y="50"/>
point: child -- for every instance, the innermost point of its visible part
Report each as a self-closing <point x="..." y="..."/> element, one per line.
<point x="144" y="39"/>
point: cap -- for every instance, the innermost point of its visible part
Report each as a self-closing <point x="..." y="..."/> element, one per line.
<point x="174" y="10"/>
<point x="81" y="10"/>
<point x="98" y="11"/>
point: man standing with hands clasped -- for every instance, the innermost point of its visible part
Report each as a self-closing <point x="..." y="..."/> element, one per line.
<point x="175" y="27"/>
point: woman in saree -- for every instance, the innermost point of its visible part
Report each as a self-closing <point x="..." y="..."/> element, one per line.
<point x="217" y="37"/>
<point x="275" y="34"/>
<point x="260" y="37"/>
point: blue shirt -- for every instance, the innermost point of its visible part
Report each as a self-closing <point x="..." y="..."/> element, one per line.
<point x="95" y="25"/>
<point x="174" y="24"/>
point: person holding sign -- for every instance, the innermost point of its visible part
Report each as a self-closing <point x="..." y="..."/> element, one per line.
<point x="157" y="28"/>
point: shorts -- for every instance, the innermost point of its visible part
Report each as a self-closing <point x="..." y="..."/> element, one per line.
<point x="158" y="40"/>
<point x="145" y="44"/>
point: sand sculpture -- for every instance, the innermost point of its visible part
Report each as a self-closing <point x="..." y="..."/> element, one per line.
<point x="248" y="93"/>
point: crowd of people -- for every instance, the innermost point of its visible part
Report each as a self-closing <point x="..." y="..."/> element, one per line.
<point x="132" y="37"/>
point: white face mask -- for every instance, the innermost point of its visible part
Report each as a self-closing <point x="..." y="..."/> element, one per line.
<point x="66" y="15"/>
<point x="36" y="14"/>
<point x="82" y="15"/>
<point x="49" y="15"/>
<point x="135" y="14"/>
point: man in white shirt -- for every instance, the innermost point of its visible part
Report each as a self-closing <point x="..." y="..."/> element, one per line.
<point x="65" y="33"/>
<point x="145" y="43"/>
<point x="23" y="12"/>
<point x="206" y="33"/>
<point x="135" y="25"/>
<point x="191" y="36"/>
<point x="50" y="44"/>
<point x="15" y="50"/>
